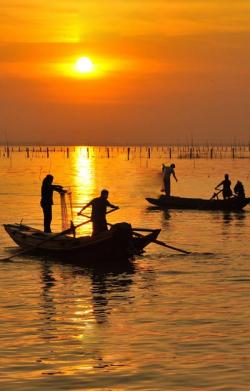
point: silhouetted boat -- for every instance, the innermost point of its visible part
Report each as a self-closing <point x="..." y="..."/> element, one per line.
<point x="164" y="202"/>
<point x="119" y="243"/>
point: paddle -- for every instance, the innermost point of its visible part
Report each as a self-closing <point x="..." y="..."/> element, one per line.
<point x="215" y="194"/>
<point x="159" y="242"/>
<point x="143" y="229"/>
<point x="172" y="247"/>
<point x="66" y="231"/>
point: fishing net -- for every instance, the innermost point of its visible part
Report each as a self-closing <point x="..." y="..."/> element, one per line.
<point x="70" y="203"/>
<point x="64" y="209"/>
<point x="64" y="212"/>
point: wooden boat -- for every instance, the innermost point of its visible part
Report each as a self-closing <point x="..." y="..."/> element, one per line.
<point x="118" y="243"/>
<point x="231" y="204"/>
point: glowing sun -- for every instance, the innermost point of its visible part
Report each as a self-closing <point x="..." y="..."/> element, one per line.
<point x="84" y="65"/>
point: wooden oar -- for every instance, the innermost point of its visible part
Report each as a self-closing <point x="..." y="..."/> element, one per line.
<point x="26" y="250"/>
<point x="216" y="194"/>
<point x="172" y="247"/>
<point x="156" y="241"/>
<point x="143" y="229"/>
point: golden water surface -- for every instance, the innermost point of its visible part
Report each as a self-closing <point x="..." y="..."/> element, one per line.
<point x="167" y="322"/>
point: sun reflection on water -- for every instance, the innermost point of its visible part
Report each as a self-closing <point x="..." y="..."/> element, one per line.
<point x="84" y="165"/>
<point x="84" y="185"/>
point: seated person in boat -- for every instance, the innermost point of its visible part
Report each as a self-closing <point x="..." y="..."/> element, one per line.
<point x="226" y="187"/>
<point x="239" y="190"/>
<point x="167" y="171"/>
<point x="99" y="209"/>
<point x="47" y="200"/>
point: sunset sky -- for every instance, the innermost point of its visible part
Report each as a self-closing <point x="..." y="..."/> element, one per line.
<point x="161" y="71"/>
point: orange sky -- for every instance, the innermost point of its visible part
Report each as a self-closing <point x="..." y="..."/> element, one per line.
<point x="164" y="71"/>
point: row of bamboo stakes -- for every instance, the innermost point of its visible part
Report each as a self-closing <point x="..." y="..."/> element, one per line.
<point x="181" y="152"/>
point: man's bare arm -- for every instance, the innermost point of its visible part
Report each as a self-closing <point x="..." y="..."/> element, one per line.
<point x="113" y="206"/>
<point x="84" y="207"/>
<point x="218" y="186"/>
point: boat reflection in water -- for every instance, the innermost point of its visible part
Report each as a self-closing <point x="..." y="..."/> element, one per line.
<point x="75" y="301"/>
<point x="75" y="307"/>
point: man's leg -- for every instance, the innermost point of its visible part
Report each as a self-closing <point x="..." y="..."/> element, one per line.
<point x="47" y="211"/>
<point x="167" y="187"/>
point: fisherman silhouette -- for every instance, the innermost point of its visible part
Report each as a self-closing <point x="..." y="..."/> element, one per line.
<point x="99" y="210"/>
<point x="239" y="190"/>
<point x="226" y="187"/>
<point x="167" y="171"/>
<point x="47" y="200"/>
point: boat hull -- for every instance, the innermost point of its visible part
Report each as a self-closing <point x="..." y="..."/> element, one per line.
<point x="164" y="202"/>
<point x="106" y="247"/>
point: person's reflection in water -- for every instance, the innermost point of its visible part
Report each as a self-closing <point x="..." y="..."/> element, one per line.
<point x="238" y="215"/>
<point x="106" y="284"/>
<point x="99" y="296"/>
<point x="48" y="282"/>
<point x="165" y="220"/>
<point x="227" y="217"/>
<point x="166" y="215"/>
<point x="48" y="305"/>
<point x="232" y="220"/>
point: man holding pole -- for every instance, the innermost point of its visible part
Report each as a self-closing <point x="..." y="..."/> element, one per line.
<point x="99" y="211"/>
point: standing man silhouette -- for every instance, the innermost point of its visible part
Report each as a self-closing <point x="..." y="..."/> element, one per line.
<point x="47" y="200"/>
<point x="167" y="172"/>
<point x="226" y="187"/>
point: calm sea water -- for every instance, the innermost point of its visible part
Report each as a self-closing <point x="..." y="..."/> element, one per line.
<point x="168" y="322"/>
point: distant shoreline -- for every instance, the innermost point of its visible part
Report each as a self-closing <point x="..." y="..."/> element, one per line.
<point x="164" y="152"/>
<point x="146" y="145"/>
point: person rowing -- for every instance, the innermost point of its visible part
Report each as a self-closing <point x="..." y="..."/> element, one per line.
<point x="226" y="187"/>
<point x="99" y="209"/>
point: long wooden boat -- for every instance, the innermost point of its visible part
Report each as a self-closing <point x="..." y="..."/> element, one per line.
<point x="119" y="243"/>
<point x="231" y="204"/>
